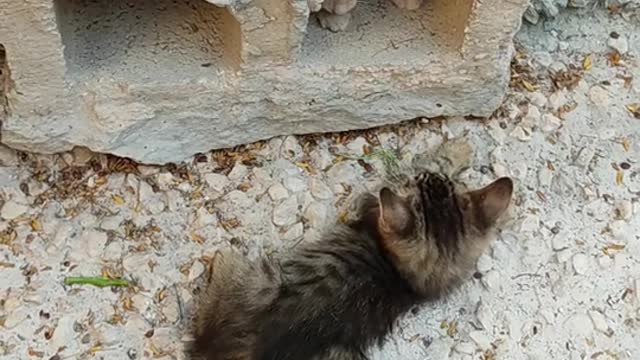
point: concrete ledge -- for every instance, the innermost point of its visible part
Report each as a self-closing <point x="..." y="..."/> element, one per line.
<point x="158" y="80"/>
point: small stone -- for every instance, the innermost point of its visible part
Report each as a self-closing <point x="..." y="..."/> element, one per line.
<point x="560" y="241"/>
<point x="165" y="180"/>
<point x="295" y="184"/>
<point x="135" y="262"/>
<point x="113" y="251"/>
<point x="619" y="230"/>
<point x="316" y="214"/>
<point x="15" y="318"/>
<point x="605" y="262"/>
<point x="291" y="148"/>
<point x="538" y="99"/>
<point x="217" y="182"/>
<point x="320" y="190"/>
<point x="485" y="263"/>
<point x="95" y="242"/>
<point x="481" y="339"/>
<point x="599" y="96"/>
<point x="356" y="147"/>
<point x="151" y="201"/>
<point x="278" y="192"/>
<point x="600" y="322"/>
<point x="197" y="269"/>
<point x="11" y="210"/>
<point x="81" y="155"/>
<point x="238" y="172"/>
<point x="533" y="116"/>
<point x="321" y="157"/>
<point x="564" y="255"/>
<point x="294" y="233"/>
<point x="585" y="156"/>
<point x="545" y="175"/>
<point x="579" y="324"/>
<point x="558" y="99"/>
<point x="111" y="223"/>
<point x="465" y="348"/>
<point x="171" y="309"/>
<point x="8" y="156"/>
<point x="521" y="134"/>
<point x="581" y="264"/>
<point x="550" y="123"/>
<point x="286" y="213"/>
<point x="624" y="209"/>
<point x="530" y="223"/>
<point x="619" y="44"/>
<point x="491" y="280"/>
<point x="148" y="170"/>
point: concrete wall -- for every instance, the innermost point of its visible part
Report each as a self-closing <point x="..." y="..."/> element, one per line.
<point x="159" y="80"/>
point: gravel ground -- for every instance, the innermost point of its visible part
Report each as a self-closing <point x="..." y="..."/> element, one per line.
<point x="562" y="281"/>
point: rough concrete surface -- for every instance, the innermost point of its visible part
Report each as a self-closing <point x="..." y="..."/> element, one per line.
<point x="161" y="80"/>
<point x="562" y="280"/>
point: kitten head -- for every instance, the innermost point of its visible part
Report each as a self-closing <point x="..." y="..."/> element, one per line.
<point x="434" y="233"/>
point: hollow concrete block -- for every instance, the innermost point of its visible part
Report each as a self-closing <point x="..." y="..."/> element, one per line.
<point x="160" y="80"/>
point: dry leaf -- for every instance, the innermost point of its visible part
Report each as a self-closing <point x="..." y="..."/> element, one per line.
<point x="529" y="86"/>
<point x="634" y="109"/>
<point x="614" y="58"/>
<point x="118" y="199"/>
<point x="619" y="177"/>
<point x="197" y="238"/>
<point x="35" y="225"/>
<point x="626" y="145"/>
<point x="587" y="63"/>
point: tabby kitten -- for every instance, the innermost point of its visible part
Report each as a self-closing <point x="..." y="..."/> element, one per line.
<point x="335" y="14"/>
<point x="335" y="298"/>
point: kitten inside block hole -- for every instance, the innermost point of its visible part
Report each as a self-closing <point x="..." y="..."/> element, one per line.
<point x="335" y="15"/>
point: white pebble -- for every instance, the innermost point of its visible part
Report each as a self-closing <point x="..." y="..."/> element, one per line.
<point x="295" y="232"/>
<point x="94" y="242"/>
<point x="295" y="184"/>
<point x="216" y="181"/>
<point x="550" y="123"/>
<point x="8" y="156"/>
<point x="135" y="262"/>
<point x="558" y="99"/>
<point x="197" y="269"/>
<point x="624" y="209"/>
<point x="530" y="223"/>
<point x="599" y="322"/>
<point x="521" y="133"/>
<point x="485" y="263"/>
<point x="465" y="348"/>
<point x="481" y="339"/>
<point x="545" y="175"/>
<point x="11" y="210"/>
<point x="619" y="230"/>
<point x="238" y="172"/>
<point x="320" y="190"/>
<point x="605" y="262"/>
<point x="538" y="99"/>
<point x="599" y="96"/>
<point x="621" y="45"/>
<point x="277" y="192"/>
<point x="113" y="251"/>
<point x="581" y="263"/>
<point x="564" y="255"/>
<point x="15" y="318"/>
<point x="315" y="214"/>
<point x="286" y="213"/>
<point x="585" y="156"/>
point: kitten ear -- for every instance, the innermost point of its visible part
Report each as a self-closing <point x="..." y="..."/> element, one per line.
<point x="491" y="201"/>
<point x="395" y="215"/>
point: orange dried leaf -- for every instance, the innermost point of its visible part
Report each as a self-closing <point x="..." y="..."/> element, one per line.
<point x="529" y="86"/>
<point x="35" y="225"/>
<point x="118" y="199"/>
<point x="619" y="177"/>
<point x="587" y="63"/>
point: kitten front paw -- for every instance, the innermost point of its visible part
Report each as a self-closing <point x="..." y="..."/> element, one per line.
<point x="339" y="7"/>
<point x="333" y="22"/>
<point x="314" y="5"/>
<point x="408" y="4"/>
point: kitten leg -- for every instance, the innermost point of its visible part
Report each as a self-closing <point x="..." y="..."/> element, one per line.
<point x="339" y="7"/>
<point x="333" y="22"/>
<point x="314" y="5"/>
<point x="408" y="4"/>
